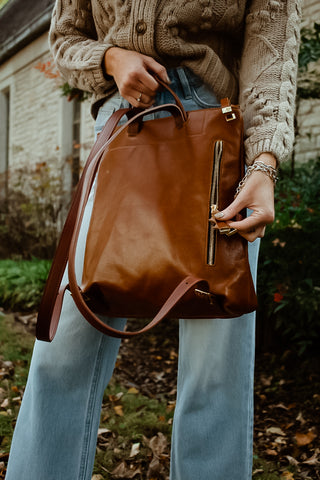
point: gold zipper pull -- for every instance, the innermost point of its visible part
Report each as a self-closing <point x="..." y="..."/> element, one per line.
<point x="220" y="225"/>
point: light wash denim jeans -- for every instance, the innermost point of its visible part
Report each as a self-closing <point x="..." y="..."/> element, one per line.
<point x="56" y="432"/>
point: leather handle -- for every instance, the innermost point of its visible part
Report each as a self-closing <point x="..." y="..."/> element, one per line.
<point x="186" y="285"/>
<point x="51" y="302"/>
<point x="135" y="127"/>
<point x="175" y="96"/>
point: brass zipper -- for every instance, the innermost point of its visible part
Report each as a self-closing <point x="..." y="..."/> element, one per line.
<point x="214" y="196"/>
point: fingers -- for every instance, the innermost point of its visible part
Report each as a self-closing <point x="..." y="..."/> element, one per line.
<point x="156" y="68"/>
<point x="251" y="227"/>
<point x="142" y="86"/>
<point x="253" y="233"/>
<point x="257" y="198"/>
<point x="141" y="100"/>
<point x="138" y="89"/>
<point x="134" y="74"/>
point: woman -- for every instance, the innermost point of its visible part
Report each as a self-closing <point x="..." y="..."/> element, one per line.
<point x="246" y="50"/>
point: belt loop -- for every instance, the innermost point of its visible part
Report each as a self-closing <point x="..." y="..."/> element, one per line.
<point x="184" y="82"/>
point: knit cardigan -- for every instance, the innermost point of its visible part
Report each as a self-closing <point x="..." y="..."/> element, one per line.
<point x="243" y="49"/>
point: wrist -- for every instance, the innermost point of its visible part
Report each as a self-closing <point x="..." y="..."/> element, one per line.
<point x="258" y="166"/>
<point x="268" y="159"/>
<point x="109" y="59"/>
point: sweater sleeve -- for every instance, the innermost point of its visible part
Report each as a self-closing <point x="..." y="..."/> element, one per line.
<point x="76" y="50"/>
<point x="268" y="73"/>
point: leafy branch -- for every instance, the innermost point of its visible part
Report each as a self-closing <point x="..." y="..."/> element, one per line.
<point x="50" y="71"/>
<point x="309" y="83"/>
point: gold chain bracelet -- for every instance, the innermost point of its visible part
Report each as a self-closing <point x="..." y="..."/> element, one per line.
<point x="258" y="166"/>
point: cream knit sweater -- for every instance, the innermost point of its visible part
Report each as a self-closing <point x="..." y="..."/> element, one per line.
<point x="246" y="50"/>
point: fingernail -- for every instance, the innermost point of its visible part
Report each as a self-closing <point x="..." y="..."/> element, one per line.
<point x="168" y="79"/>
<point x="219" y="215"/>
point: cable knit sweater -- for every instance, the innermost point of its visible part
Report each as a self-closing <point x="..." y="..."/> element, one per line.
<point x="246" y="50"/>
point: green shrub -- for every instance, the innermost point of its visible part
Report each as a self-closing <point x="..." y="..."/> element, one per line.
<point x="289" y="278"/>
<point x="21" y="283"/>
<point x="309" y="55"/>
<point x="29" y="216"/>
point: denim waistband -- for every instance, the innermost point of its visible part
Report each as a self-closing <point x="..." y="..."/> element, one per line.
<point x="182" y="78"/>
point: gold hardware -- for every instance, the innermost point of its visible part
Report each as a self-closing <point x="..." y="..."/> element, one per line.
<point x="224" y="230"/>
<point x="227" y="109"/>
<point x="214" y="196"/>
<point x="230" y="117"/>
<point x="213" y="209"/>
<point x="228" y="113"/>
<point x="202" y="294"/>
<point x="231" y="232"/>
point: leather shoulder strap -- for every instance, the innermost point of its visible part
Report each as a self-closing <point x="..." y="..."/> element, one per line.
<point x="51" y="303"/>
<point x="186" y="285"/>
<point x="50" y="306"/>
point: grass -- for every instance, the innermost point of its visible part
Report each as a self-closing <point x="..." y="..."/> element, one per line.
<point x="22" y="283"/>
<point x="15" y="347"/>
<point x="2" y="3"/>
<point x="134" y="430"/>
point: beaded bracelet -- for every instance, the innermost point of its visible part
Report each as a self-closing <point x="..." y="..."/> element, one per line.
<point x="259" y="167"/>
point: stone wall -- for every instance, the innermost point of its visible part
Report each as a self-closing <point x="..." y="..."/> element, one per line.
<point x="36" y="131"/>
<point x="308" y="110"/>
<point x="311" y="12"/>
<point x="40" y="119"/>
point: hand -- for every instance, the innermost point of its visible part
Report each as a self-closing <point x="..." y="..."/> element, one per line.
<point x="133" y="74"/>
<point x="257" y="194"/>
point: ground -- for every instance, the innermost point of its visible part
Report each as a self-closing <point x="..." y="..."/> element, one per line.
<point x="287" y="396"/>
<point x="287" y="406"/>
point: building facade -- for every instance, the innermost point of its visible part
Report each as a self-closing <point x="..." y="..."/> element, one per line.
<point x="41" y="129"/>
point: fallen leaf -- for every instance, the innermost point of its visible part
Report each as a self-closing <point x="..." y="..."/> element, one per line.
<point x="122" y="471"/>
<point x="300" y="419"/>
<point x="118" y="410"/>
<point x="115" y="398"/>
<point x="135" y="449"/>
<point x="266" y="381"/>
<point x="303" y="439"/>
<point x="287" y="476"/>
<point x="258" y="470"/>
<point x="103" y="432"/>
<point x="133" y="391"/>
<point x="97" y="477"/>
<point x="280" y="441"/>
<point x="271" y="452"/>
<point x="289" y="425"/>
<point x="276" y="431"/>
<point x="314" y="460"/>
<point x="158" y="444"/>
<point x="5" y="403"/>
<point x="280" y="405"/>
<point x="292" y="460"/>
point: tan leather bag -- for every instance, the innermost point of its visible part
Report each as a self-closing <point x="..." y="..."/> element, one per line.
<point x="153" y="247"/>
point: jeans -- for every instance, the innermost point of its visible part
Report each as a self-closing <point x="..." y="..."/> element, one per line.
<point x="56" y="431"/>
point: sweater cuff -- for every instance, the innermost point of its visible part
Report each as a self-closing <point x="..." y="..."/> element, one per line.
<point x="103" y="82"/>
<point x="280" y="149"/>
